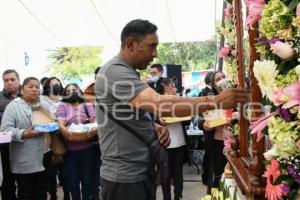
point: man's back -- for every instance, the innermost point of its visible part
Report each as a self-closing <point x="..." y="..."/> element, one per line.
<point x="124" y="157"/>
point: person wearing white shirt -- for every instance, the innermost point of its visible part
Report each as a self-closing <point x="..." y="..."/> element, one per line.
<point x="177" y="150"/>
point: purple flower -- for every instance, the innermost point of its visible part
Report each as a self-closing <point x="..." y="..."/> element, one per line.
<point x="293" y="173"/>
<point x="291" y="170"/>
<point x="265" y="41"/>
<point x="285" y="189"/>
<point x="284" y="113"/>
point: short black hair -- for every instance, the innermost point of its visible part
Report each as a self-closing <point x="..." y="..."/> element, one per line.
<point x="96" y="70"/>
<point x="43" y="80"/>
<point x="28" y="79"/>
<point x="137" y="29"/>
<point x="159" y="67"/>
<point x="161" y="83"/>
<point x="46" y="86"/>
<point x="208" y="78"/>
<point x="8" y="71"/>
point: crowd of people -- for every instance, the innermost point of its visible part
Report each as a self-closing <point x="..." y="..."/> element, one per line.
<point x="119" y="101"/>
<point x="28" y="160"/>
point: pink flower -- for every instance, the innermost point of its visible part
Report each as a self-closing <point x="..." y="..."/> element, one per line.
<point x="292" y="91"/>
<point x="272" y="171"/>
<point x="228" y="140"/>
<point x="273" y="192"/>
<point x="277" y="96"/>
<point x="283" y="50"/>
<point x="259" y="125"/>
<point x="298" y="10"/>
<point x="224" y="52"/>
<point x="228" y="10"/>
<point x="255" y="9"/>
<point x="227" y="144"/>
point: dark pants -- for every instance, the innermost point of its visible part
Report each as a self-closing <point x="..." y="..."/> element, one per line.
<point x="176" y="158"/>
<point x="144" y="190"/>
<point x="8" y="188"/>
<point x="79" y="165"/>
<point x="62" y="177"/>
<point x="32" y="186"/>
<point x="218" y="161"/>
<point x="47" y="165"/>
<point x="95" y="185"/>
<point x="54" y="170"/>
<point x="208" y="139"/>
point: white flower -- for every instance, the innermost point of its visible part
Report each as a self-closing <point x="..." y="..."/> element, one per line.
<point x="265" y="72"/>
<point x="272" y="153"/>
<point x="283" y="50"/>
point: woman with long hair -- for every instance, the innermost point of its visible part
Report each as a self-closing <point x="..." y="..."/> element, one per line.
<point x="52" y="90"/>
<point x="217" y="160"/>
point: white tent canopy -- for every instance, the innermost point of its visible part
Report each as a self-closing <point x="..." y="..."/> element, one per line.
<point x="34" y="25"/>
<point x="51" y="23"/>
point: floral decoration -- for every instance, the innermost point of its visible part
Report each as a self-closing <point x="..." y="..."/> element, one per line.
<point x="228" y="51"/>
<point x="278" y="76"/>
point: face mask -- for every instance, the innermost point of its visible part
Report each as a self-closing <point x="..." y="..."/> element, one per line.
<point x="154" y="78"/>
<point x="222" y="85"/>
<point x="56" y="90"/>
<point x="71" y="98"/>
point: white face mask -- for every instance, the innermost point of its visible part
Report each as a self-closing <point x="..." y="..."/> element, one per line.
<point x="222" y="84"/>
<point x="154" y="78"/>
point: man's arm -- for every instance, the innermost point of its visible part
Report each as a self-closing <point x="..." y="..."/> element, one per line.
<point x="170" y="105"/>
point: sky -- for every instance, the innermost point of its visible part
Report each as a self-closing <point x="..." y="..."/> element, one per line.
<point x="35" y="26"/>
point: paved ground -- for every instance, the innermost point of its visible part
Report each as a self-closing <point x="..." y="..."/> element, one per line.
<point x="193" y="187"/>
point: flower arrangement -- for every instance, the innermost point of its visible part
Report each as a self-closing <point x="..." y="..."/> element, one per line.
<point x="228" y="51"/>
<point x="230" y="136"/>
<point x="278" y="78"/>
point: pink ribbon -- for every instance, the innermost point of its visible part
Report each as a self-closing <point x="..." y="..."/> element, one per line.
<point x="292" y="91"/>
<point x="259" y="125"/>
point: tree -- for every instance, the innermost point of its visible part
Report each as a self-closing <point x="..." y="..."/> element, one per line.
<point x="72" y="62"/>
<point x="191" y="55"/>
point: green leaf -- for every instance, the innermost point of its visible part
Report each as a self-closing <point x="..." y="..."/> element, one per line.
<point x="191" y="55"/>
<point x="281" y="178"/>
<point x="72" y="62"/>
<point x="235" y="194"/>
<point x="293" y="4"/>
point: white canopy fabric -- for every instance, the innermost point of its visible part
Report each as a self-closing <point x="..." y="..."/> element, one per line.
<point x="32" y="26"/>
<point x="52" y="23"/>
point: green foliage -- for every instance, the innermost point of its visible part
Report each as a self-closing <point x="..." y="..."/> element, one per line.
<point x="276" y="17"/>
<point x="191" y="55"/>
<point x="72" y="62"/>
<point x="293" y="4"/>
<point x="235" y="194"/>
<point x="284" y="80"/>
